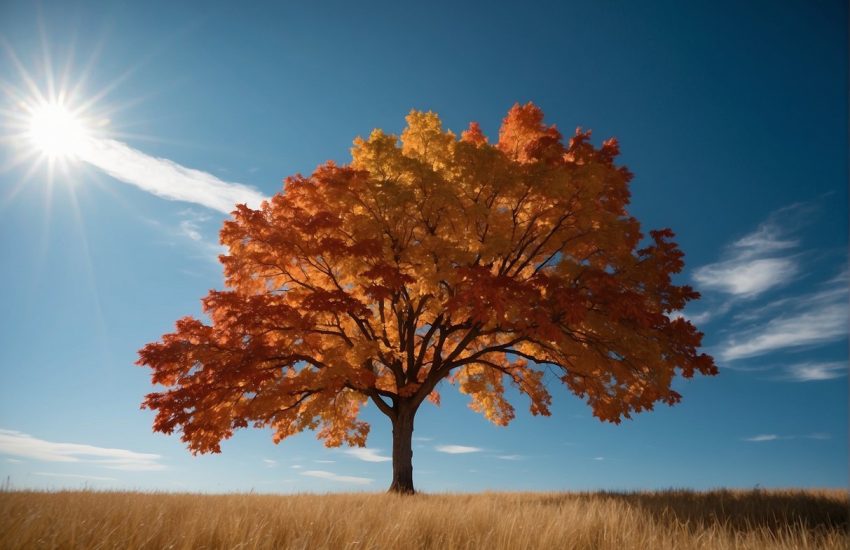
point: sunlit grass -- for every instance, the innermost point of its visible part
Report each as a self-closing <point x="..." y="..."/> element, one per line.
<point x="648" y="520"/>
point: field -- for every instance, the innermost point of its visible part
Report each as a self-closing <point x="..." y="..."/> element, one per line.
<point x="515" y="521"/>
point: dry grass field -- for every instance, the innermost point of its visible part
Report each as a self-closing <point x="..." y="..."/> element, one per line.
<point x="648" y="521"/>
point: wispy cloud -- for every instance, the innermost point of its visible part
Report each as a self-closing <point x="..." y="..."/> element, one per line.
<point x="190" y="229"/>
<point x="457" y="449"/>
<point x="322" y="474"/>
<point x="746" y="277"/>
<point x="695" y="318"/>
<point x="809" y="319"/>
<point x="23" y="445"/>
<point x="420" y="438"/>
<point x="809" y="372"/>
<point x="510" y="457"/>
<point x="325" y="461"/>
<point x="758" y="261"/>
<point x="369" y="455"/>
<point x="166" y="178"/>
<point x="75" y="476"/>
<point x="769" y="237"/>
<point x="270" y="463"/>
<point x="761" y="438"/>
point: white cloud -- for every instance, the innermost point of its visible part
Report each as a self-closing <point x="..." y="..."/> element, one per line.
<point x="817" y="320"/>
<point x="457" y="449"/>
<point x="419" y="438"/>
<point x="369" y="455"/>
<point x="773" y="437"/>
<point x="75" y="476"/>
<point x="325" y="461"/>
<point x="746" y="277"/>
<point x="762" y="437"/>
<point x="791" y="322"/>
<point x="807" y="372"/>
<point x="190" y="229"/>
<point x="599" y="458"/>
<point x="166" y="178"/>
<point x="270" y="463"/>
<point x="296" y="466"/>
<point x="14" y="461"/>
<point x="757" y="314"/>
<point x="23" y="445"/>
<point x="510" y="457"/>
<point x="695" y="318"/>
<point x="766" y="239"/>
<point x="758" y="261"/>
<point x="322" y="474"/>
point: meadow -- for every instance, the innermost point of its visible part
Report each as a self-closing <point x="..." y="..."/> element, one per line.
<point x="604" y="520"/>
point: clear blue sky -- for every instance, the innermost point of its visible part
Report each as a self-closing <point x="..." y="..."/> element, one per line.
<point x="733" y="117"/>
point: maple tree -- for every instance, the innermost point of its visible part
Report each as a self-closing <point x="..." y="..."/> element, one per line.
<point x="431" y="258"/>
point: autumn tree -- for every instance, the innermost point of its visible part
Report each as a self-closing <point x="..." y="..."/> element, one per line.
<point x="431" y="258"/>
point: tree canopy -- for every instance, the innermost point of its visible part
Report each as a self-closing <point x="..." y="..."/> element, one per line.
<point x="432" y="258"/>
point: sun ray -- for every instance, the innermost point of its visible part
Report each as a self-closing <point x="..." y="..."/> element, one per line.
<point x="67" y="70"/>
<point x="21" y="183"/>
<point x="83" y="243"/>
<point x="47" y="59"/>
<point x="35" y="92"/>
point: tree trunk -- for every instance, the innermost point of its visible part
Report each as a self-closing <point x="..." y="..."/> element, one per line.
<point x="403" y="452"/>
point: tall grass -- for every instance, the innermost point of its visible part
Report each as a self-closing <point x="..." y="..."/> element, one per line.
<point x="649" y="520"/>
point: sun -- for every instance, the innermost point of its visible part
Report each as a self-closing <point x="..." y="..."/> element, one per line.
<point x="57" y="132"/>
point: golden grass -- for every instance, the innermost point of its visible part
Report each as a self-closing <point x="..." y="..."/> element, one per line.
<point x="512" y="521"/>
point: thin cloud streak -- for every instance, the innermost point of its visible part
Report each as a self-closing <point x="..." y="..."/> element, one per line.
<point x="190" y="227"/>
<point x="457" y="449"/>
<point x="322" y="474"/>
<point x="75" y="476"/>
<point x="368" y="455"/>
<point x="811" y="372"/>
<point x="813" y="319"/>
<point x="761" y="438"/>
<point x="24" y="445"/>
<point x="167" y="179"/>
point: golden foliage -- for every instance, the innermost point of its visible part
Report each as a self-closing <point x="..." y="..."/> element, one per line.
<point x="430" y="257"/>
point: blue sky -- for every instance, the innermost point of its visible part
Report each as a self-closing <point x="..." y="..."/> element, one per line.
<point x="732" y="117"/>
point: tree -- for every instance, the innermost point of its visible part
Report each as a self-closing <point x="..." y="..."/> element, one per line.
<point x="427" y="260"/>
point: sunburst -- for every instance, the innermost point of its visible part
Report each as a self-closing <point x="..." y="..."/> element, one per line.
<point x="57" y="131"/>
<point x="48" y="124"/>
